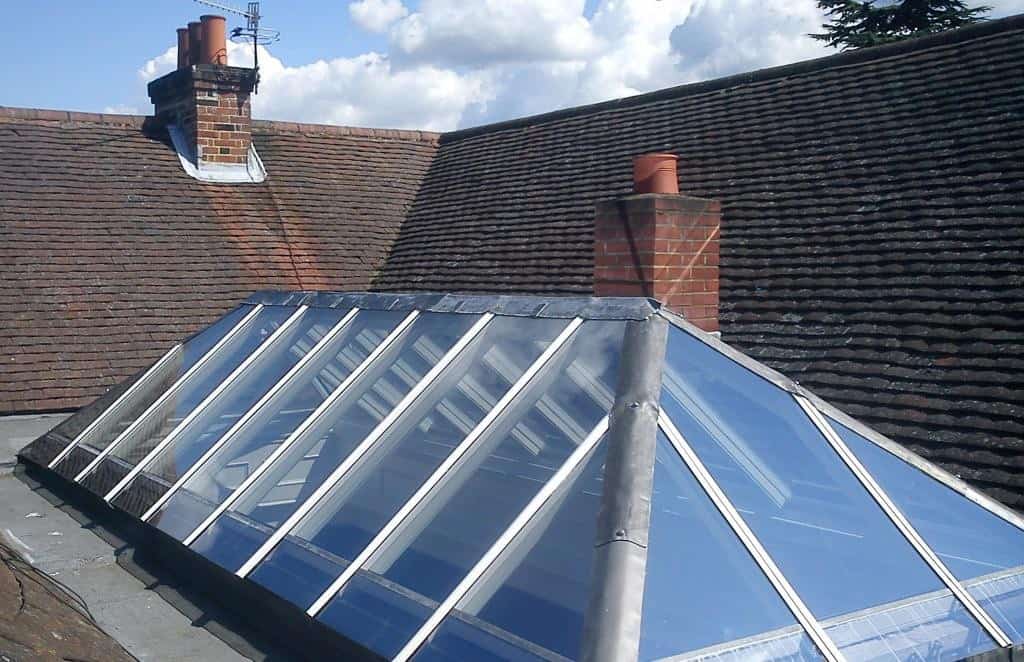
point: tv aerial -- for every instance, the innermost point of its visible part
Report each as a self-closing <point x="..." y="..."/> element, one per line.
<point x="252" y="33"/>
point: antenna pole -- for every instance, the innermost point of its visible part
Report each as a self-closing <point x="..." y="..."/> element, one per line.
<point x="251" y="33"/>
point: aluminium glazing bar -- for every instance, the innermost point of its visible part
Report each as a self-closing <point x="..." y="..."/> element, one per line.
<point x="324" y="488"/>
<point x="84" y="434"/>
<point x="235" y="330"/>
<point x="274" y="390"/>
<point x="949" y="480"/>
<point x="427" y="487"/>
<point x="579" y="455"/>
<point x="226" y="383"/>
<point x="764" y="561"/>
<point x="298" y="432"/>
<point x="902" y="523"/>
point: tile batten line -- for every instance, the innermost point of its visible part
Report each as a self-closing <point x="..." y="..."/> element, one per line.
<point x="296" y="434"/>
<point x="255" y="409"/>
<point x="235" y="330"/>
<point x="528" y="513"/>
<point x="113" y="406"/>
<point x="902" y="524"/>
<point x="749" y="540"/>
<point x="364" y="447"/>
<point x="213" y="396"/>
<point x="447" y="466"/>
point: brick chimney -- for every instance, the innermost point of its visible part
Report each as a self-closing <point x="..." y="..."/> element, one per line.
<point x="661" y="244"/>
<point x="205" y="105"/>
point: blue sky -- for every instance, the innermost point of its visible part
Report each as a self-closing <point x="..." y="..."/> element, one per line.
<point x="436" y="64"/>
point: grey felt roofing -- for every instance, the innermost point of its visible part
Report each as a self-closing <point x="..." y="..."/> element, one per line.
<point x="872" y="244"/>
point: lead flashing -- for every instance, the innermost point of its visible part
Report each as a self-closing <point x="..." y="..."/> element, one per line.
<point x="588" y="308"/>
<point x="251" y="172"/>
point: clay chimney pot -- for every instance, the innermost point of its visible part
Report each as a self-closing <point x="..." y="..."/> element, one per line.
<point x="195" y="42"/>
<point x="183" y="57"/>
<point x="215" y="46"/>
<point x="655" y="173"/>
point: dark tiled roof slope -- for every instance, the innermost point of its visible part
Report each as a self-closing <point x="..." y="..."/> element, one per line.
<point x="109" y="252"/>
<point x="873" y="233"/>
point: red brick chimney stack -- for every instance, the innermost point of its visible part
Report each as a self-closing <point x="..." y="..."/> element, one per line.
<point x="207" y="99"/>
<point x="660" y="244"/>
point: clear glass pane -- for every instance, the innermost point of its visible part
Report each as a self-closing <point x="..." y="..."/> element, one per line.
<point x="156" y="384"/>
<point x="831" y="540"/>
<point x="240" y="531"/>
<point x="703" y="589"/>
<point x="226" y="410"/>
<point x="447" y="535"/>
<point x="260" y="436"/>
<point x="160" y="421"/>
<point x="369" y="496"/>
<point x="973" y="543"/>
<point x="535" y="596"/>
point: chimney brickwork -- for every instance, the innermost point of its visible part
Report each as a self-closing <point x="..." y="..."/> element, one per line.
<point x="207" y="99"/>
<point x="662" y="246"/>
<point x="211" y="104"/>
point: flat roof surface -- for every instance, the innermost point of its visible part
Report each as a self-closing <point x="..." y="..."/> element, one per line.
<point x="54" y="540"/>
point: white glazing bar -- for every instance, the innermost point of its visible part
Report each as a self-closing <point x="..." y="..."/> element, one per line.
<point x="84" y="434"/>
<point x="299" y="431"/>
<point x="225" y="384"/>
<point x="169" y="392"/>
<point x="764" y="561"/>
<point x="446" y="466"/>
<point x="274" y="390"/>
<point x="491" y="555"/>
<point x="363" y="447"/>
<point x="902" y="523"/>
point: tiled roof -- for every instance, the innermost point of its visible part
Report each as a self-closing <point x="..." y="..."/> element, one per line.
<point x="873" y="233"/>
<point x="872" y="243"/>
<point x="109" y="253"/>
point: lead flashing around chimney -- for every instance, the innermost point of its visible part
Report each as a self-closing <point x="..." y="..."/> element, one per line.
<point x="251" y="172"/>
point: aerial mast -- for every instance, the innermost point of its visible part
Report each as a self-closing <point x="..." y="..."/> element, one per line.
<point x="252" y="33"/>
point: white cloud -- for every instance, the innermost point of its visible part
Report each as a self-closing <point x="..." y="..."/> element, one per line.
<point x="365" y="90"/>
<point x="484" y="32"/>
<point x="723" y="37"/>
<point x="453" y="63"/>
<point x="121" y="109"/>
<point x="377" y="15"/>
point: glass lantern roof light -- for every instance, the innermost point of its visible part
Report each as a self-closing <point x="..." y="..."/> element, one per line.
<point x="441" y="478"/>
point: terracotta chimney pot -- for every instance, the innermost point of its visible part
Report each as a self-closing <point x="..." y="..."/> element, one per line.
<point x="214" y="47"/>
<point x="655" y="173"/>
<point x="183" y="57"/>
<point x="195" y="42"/>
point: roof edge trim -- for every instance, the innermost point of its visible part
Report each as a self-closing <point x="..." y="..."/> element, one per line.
<point x="947" y="38"/>
<point x="333" y="130"/>
<point x="595" y="308"/>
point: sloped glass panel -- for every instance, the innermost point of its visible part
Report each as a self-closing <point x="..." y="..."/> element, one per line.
<point x="269" y="501"/>
<point x="261" y="435"/>
<point x="341" y="525"/>
<point x="934" y="626"/>
<point x="444" y="538"/>
<point x="984" y="551"/>
<point x="831" y="540"/>
<point x="704" y="592"/>
<point x="534" y="597"/>
<point x="160" y="421"/>
<point x="156" y="384"/>
<point x="226" y="409"/>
